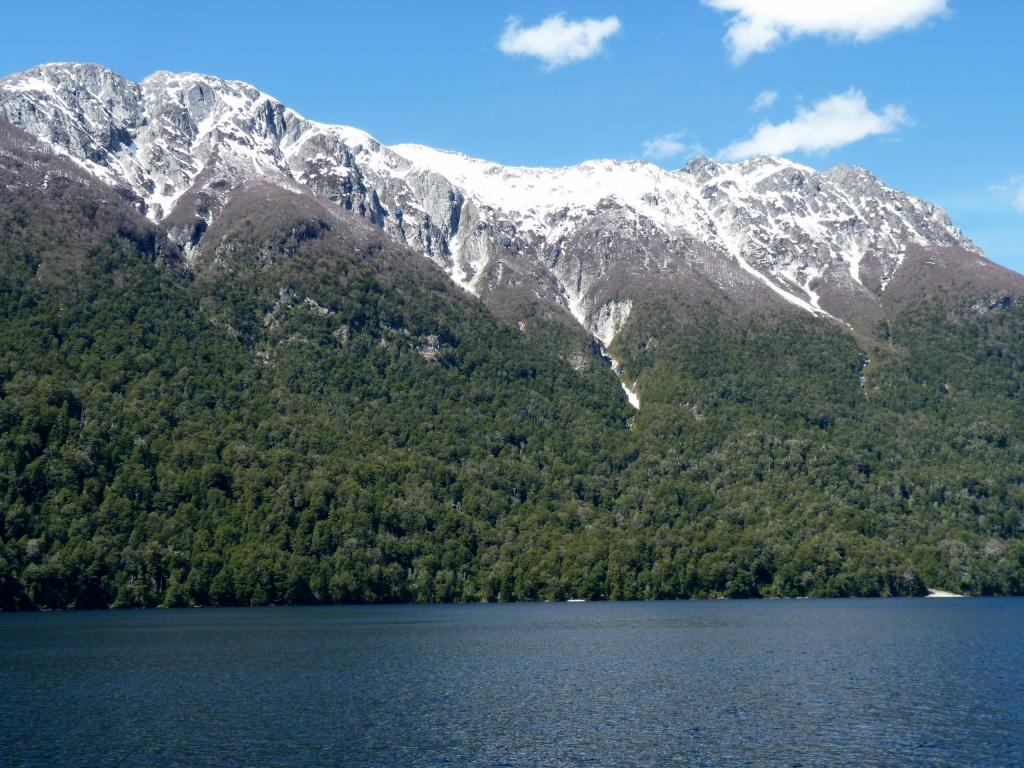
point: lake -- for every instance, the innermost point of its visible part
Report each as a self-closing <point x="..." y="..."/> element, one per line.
<point x="719" y="683"/>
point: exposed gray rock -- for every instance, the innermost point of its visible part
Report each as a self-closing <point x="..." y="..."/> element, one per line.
<point x="590" y="242"/>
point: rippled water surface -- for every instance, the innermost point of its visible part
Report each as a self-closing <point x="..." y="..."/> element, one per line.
<point x="810" y="683"/>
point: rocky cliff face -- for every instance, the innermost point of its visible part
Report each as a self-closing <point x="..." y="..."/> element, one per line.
<point x="590" y="240"/>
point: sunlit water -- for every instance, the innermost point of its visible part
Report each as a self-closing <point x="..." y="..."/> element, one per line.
<point x="787" y="683"/>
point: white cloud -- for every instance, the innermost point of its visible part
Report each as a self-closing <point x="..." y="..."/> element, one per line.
<point x="1011" y="190"/>
<point x="764" y="100"/>
<point x="670" y="145"/>
<point x="557" y="41"/>
<point x="833" y="122"/>
<point x="757" y="26"/>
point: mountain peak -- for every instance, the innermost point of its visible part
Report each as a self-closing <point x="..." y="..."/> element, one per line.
<point x="70" y="68"/>
<point x="590" y="238"/>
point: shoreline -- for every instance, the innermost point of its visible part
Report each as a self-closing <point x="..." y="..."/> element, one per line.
<point x="932" y="593"/>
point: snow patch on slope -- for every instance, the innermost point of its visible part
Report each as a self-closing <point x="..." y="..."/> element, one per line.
<point x="543" y="200"/>
<point x="786" y="225"/>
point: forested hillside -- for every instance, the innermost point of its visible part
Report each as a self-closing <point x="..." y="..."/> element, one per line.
<point x="312" y="413"/>
<point x="806" y="466"/>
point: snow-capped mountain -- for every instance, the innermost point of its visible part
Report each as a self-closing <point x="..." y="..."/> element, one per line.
<point x="591" y="239"/>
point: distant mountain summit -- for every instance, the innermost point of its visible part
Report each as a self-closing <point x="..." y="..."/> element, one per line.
<point x="591" y="241"/>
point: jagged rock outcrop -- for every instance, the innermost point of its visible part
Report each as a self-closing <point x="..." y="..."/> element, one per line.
<point x="588" y="241"/>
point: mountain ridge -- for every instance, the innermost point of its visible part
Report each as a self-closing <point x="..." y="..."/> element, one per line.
<point x="270" y="395"/>
<point x="760" y="232"/>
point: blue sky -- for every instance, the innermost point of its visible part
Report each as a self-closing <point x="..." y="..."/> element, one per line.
<point x="937" y="92"/>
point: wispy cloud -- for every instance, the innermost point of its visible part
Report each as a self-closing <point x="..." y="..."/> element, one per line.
<point x="557" y="41"/>
<point x="670" y="145"/>
<point x="1013" y="190"/>
<point x="757" y="26"/>
<point x="764" y="100"/>
<point x="832" y="122"/>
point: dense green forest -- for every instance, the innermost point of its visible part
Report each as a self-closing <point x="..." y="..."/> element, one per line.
<point x="315" y="416"/>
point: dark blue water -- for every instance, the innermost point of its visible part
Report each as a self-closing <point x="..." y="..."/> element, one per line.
<point x="811" y="683"/>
